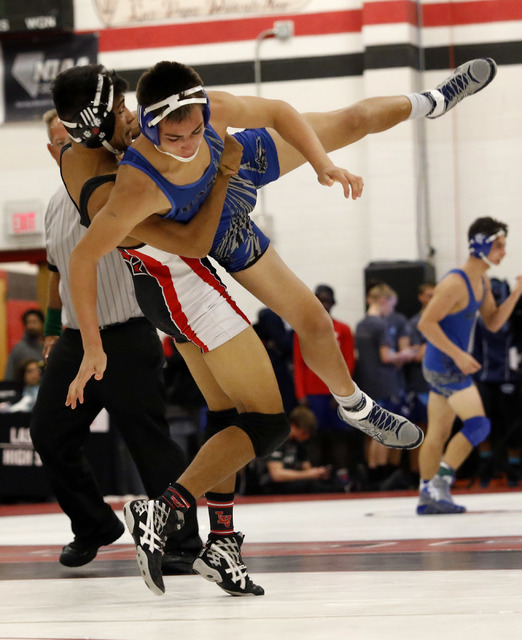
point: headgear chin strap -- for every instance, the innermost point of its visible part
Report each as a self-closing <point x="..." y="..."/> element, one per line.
<point x="480" y="245"/>
<point x="180" y="158"/>
<point x="94" y="125"/>
<point x="149" y="121"/>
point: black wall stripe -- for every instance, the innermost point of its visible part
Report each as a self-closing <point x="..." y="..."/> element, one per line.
<point x="354" y="64"/>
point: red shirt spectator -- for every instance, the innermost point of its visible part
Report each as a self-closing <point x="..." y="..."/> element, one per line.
<point x="305" y="380"/>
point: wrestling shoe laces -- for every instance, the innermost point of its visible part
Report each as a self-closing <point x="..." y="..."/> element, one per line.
<point x="467" y="79"/>
<point x="152" y="528"/>
<point x="220" y="561"/>
<point x="381" y="421"/>
<point x="236" y="569"/>
<point x="382" y="425"/>
<point x="150" y="522"/>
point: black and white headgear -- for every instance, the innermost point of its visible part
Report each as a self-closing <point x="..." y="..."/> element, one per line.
<point x="94" y="125"/>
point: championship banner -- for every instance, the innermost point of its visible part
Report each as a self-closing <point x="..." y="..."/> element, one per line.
<point x="30" y="67"/>
<point x="119" y="13"/>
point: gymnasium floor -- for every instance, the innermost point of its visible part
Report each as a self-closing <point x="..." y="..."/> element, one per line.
<point x="358" y="567"/>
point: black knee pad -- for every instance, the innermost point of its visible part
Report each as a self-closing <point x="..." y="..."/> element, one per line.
<point x="219" y="420"/>
<point x="267" y="431"/>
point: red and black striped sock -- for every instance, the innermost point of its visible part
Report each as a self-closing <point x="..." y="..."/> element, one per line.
<point x="177" y="497"/>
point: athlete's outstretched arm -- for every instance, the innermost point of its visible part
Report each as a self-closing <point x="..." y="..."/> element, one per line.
<point x="104" y="234"/>
<point x="246" y="112"/>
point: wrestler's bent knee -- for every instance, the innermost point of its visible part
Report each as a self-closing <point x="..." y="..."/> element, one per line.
<point x="476" y="429"/>
<point x="267" y="431"/>
<point x="219" y="420"/>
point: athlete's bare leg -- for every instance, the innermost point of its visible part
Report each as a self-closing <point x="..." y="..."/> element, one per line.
<point x="340" y="128"/>
<point x="243" y="370"/>
<point x="276" y="286"/>
<point x="219" y="459"/>
<point x="291" y="299"/>
<point x="250" y="386"/>
<point x="441" y="415"/>
<point x="239" y="375"/>
<point x="440" y="423"/>
<point x="466" y="404"/>
<point x="337" y="129"/>
<point x="215" y="397"/>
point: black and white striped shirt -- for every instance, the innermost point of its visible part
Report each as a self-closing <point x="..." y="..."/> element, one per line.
<point x="116" y="299"/>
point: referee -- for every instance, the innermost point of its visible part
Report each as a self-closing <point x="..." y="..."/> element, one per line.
<point x="132" y="390"/>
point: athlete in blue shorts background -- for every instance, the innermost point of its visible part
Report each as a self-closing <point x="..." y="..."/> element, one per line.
<point x="448" y="323"/>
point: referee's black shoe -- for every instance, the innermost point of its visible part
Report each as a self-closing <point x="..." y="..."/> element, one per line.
<point x="178" y="562"/>
<point x="77" y="553"/>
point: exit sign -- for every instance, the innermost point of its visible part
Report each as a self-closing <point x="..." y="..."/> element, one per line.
<point x="23" y="223"/>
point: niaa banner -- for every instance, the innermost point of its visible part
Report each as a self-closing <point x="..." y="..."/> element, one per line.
<point x="29" y="68"/>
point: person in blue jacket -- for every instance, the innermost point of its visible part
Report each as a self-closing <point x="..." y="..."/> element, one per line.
<point x="499" y="382"/>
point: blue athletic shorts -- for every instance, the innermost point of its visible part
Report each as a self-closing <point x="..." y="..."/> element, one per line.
<point x="395" y="404"/>
<point x="448" y="382"/>
<point x="239" y="243"/>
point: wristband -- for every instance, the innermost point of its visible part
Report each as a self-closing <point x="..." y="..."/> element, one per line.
<point x="53" y="322"/>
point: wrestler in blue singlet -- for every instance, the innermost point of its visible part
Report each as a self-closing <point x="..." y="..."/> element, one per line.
<point x="440" y="371"/>
<point x="239" y="243"/>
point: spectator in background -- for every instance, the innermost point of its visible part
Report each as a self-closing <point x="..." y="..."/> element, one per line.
<point x="397" y="324"/>
<point x="30" y="346"/>
<point x="396" y="321"/>
<point x="333" y="443"/>
<point x="288" y="469"/>
<point x="499" y="383"/>
<point x="377" y="373"/>
<point x="278" y="338"/>
<point x="29" y="375"/>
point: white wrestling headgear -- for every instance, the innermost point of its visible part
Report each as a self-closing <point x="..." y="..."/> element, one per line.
<point x="149" y="121"/>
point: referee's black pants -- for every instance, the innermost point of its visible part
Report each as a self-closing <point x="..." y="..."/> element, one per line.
<point x="132" y="390"/>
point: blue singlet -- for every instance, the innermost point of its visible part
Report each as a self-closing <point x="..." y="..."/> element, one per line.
<point x="239" y="243"/>
<point x="440" y="371"/>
